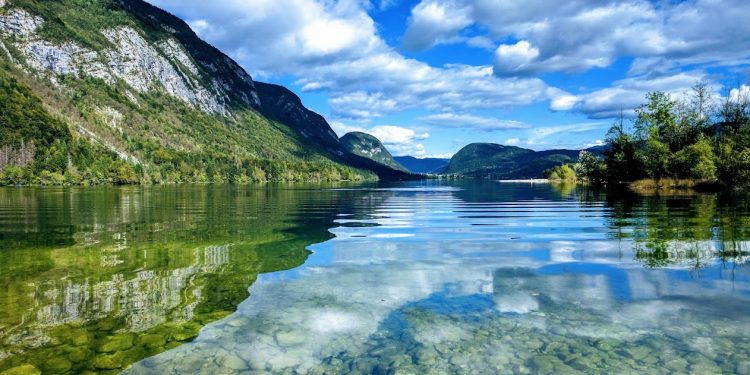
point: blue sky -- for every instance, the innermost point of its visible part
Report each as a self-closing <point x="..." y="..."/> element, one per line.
<point x="430" y="76"/>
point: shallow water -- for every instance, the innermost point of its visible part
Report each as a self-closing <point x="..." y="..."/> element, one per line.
<point x="422" y="277"/>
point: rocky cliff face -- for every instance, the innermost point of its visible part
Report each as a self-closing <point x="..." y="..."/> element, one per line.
<point x="141" y="64"/>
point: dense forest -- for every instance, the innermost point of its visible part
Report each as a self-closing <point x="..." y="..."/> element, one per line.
<point x="699" y="140"/>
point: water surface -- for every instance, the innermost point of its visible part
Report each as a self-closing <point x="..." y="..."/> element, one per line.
<point x="421" y="277"/>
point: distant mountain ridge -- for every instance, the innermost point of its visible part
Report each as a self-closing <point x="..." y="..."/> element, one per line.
<point x="367" y="146"/>
<point x="422" y="165"/>
<point x="490" y="160"/>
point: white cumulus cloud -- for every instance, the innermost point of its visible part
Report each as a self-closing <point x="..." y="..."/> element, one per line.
<point x="466" y="121"/>
<point x="513" y="58"/>
<point x="577" y="35"/>
<point x="433" y="22"/>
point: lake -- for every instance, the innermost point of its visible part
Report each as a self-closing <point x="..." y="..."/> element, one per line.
<point x="421" y="277"/>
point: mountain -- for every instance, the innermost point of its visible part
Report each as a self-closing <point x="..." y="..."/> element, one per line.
<point x="489" y="160"/>
<point x="367" y="146"/>
<point x="422" y="165"/>
<point x="119" y="91"/>
<point x="280" y="104"/>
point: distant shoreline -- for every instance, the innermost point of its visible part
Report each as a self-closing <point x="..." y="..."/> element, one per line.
<point x="529" y="181"/>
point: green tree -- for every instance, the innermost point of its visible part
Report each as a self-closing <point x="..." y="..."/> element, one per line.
<point x="660" y="134"/>
<point x="656" y="119"/>
<point x="620" y="157"/>
<point x="696" y="161"/>
<point x="735" y="109"/>
<point x="654" y="155"/>
<point x="13" y="175"/>
<point x="591" y="168"/>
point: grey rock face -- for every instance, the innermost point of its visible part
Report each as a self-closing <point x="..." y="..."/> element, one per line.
<point x="175" y="52"/>
<point x="141" y="65"/>
<point x="65" y="59"/>
<point x="18" y="22"/>
<point x="134" y="60"/>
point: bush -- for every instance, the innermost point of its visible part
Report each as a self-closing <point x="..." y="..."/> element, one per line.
<point x="47" y="178"/>
<point x="125" y="174"/>
<point x="742" y="169"/>
<point x="257" y="174"/>
<point x="561" y="173"/>
<point x="13" y="175"/>
<point x="696" y="161"/>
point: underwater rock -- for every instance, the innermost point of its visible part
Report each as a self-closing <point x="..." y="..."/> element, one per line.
<point x="22" y="370"/>
<point x="184" y="334"/>
<point x="281" y="362"/>
<point x="151" y="340"/>
<point x="77" y="354"/>
<point x="743" y="367"/>
<point x="116" y="343"/>
<point x="78" y="337"/>
<point x="677" y="364"/>
<point x="637" y="352"/>
<point x="704" y="366"/>
<point x="237" y="322"/>
<point x="233" y="362"/>
<point x="604" y="345"/>
<point x="191" y="365"/>
<point x="544" y="364"/>
<point x="107" y="362"/>
<point x="57" y="365"/>
<point x="289" y="338"/>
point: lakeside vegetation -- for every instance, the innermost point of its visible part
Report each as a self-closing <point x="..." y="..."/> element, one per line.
<point x="694" y="142"/>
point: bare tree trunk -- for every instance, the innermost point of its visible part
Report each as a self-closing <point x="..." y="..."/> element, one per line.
<point x="21" y="157"/>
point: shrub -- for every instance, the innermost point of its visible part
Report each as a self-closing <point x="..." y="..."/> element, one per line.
<point x="47" y="178"/>
<point x="695" y="161"/>
<point x="125" y="174"/>
<point x="13" y="175"/>
<point x="561" y="173"/>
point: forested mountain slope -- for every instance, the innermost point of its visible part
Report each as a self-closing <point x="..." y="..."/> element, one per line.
<point x="489" y="160"/>
<point x="367" y="146"/>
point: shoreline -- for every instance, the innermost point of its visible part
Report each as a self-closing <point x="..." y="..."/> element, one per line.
<point x="528" y="181"/>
